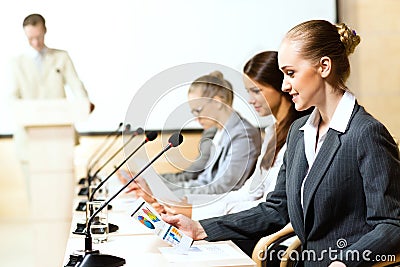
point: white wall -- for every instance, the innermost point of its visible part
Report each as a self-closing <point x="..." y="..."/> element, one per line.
<point x="117" y="46"/>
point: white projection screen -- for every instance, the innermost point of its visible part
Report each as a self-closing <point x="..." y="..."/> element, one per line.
<point x="118" y="46"/>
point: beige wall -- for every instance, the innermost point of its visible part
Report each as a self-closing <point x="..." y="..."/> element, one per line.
<point x="375" y="76"/>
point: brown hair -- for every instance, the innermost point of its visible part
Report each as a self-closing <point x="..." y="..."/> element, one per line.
<point x="212" y="85"/>
<point x="319" y="38"/>
<point x="34" y="19"/>
<point x="263" y="68"/>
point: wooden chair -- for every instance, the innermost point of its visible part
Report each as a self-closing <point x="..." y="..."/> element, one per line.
<point x="260" y="252"/>
<point x="265" y="244"/>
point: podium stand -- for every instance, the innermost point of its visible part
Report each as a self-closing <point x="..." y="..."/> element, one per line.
<point x="48" y="134"/>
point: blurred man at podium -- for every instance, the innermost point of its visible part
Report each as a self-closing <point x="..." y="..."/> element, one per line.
<point x="42" y="73"/>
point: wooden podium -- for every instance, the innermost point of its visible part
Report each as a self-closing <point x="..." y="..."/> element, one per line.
<point x="49" y="138"/>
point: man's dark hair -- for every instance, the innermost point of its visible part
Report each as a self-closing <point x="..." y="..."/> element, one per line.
<point x="34" y="19"/>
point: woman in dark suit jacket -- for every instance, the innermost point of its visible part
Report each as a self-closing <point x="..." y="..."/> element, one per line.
<point x="340" y="180"/>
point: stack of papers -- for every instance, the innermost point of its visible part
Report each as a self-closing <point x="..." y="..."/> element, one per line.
<point x="211" y="252"/>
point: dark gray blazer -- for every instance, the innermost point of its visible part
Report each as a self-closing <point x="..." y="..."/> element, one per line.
<point x="351" y="195"/>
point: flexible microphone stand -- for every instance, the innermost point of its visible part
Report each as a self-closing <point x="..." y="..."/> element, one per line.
<point x="93" y="258"/>
<point x="135" y="133"/>
<point x="84" y="190"/>
<point x="80" y="227"/>
<point x="82" y="180"/>
<point x="150" y="136"/>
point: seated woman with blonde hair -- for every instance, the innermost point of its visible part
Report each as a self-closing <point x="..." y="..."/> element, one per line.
<point x="263" y="80"/>
<point x="235" y="145"/>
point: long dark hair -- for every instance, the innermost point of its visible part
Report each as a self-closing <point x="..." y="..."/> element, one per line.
<point x="263" y="68"/>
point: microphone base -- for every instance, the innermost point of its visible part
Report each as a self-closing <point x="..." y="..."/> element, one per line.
<point x="81" y="227"/>
<point x="101" y="260"/>
<point x="82" y="206"/>
<point x="95" y="259"/>
<point x="83" y="191"/>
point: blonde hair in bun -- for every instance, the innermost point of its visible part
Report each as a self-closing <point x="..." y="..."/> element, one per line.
<point x="212" y="85"/>
<point x="315" y="39"/>
<point x="348" y="37"/>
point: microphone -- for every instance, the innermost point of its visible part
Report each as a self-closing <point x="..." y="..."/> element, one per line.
<point x="80" y="227"/>
<point x="150" y="136"/>
<point x="82" y="204"/>
<point x="92" y="257"/>
<point x="85" y="190"/>
<point x="126" y="130"/>
<point x="82" y="180"/>
<point x="135" y="133"/>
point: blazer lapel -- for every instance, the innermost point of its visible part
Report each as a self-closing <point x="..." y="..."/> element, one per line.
<point x="294" y="180"/>
<point x="225" y="141"/>
<point x="320" y="166"/>
<point x="217" y="158"/>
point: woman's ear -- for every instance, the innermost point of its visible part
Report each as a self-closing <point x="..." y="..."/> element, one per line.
<point x="325" y="66"/>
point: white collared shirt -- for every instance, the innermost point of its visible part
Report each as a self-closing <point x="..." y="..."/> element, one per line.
<point x="37" y="56"/>
<point x="339" y="122"/>
<point x="250" y="194"/>
<point x="34" y="53"/>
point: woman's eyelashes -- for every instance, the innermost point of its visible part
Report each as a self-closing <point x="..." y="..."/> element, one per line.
<point x="254" y="90"/>
<point x="290" y="73"/>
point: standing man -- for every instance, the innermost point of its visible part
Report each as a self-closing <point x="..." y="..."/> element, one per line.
<point x="42" y="73"/>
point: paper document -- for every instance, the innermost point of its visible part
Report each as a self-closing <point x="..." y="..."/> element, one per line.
<point x="144" y="213"/>
<point x="211" y="252"/>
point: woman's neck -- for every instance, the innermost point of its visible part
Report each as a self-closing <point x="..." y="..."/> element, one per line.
<point x="223" y="117"/>
<point x="328" y="107"/>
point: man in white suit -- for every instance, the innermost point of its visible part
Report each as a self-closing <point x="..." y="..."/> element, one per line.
<point x="42" y="73"/>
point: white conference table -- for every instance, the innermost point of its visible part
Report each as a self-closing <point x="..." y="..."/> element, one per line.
<point x="140" y="247"/>
<point x="143" y="250"/>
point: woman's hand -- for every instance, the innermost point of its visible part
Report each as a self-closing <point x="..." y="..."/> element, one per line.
<point x="139" y="186"/>
<point x="186" y="225"/>
<point x="174" y="208"/>
<point x="141" y="189"/>
<point x="124" y="176"/>
<point x="178" y="208"/>
<point x="158" y="207"/>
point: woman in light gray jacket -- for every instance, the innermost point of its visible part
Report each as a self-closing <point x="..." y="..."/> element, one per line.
<point x="235" y="146"/>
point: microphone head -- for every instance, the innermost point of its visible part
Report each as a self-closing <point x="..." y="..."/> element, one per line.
<point x="139" y="130"/>
<point x="175" y="140"/>
<point x="127" y="128"/>
<point x="150" y="136"/>
<point x="120" y="124"/>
